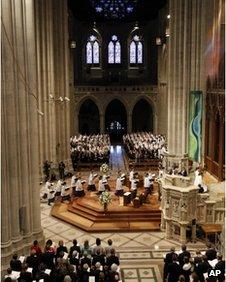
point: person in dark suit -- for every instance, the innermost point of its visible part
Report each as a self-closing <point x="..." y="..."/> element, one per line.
<point x="173" y="270"/>
<point x="33" y="261"/>
<point x="41" y="274"/>
<point x="75" y="247"/>
<point x="74" y="259"/>
<point x="98" y="257"/>
<point x="46" y="169"/>
<point x="24" y="275"/>
<point x="61" y="248"/>
<point x="168" y="260"/>
<point x="61" y="170"/>
<point x="85" y="259"/>
<point x="220" y="266"/>
<point x="211" y="253"/>
<point x="198" y="268"/>
<point x="184" y="254"/>
<point x="15" y="263"/>
<point x="112" y="259"/>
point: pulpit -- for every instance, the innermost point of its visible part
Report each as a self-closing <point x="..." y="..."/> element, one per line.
<point x="126" y="198"/>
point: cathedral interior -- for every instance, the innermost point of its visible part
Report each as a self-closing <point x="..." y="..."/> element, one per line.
<point x="114" y="93"/>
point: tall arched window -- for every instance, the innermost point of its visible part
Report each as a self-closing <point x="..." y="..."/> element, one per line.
<point x="136" y="50"/>
<point x="92" y="51"/>
<point x="114" y="51"/>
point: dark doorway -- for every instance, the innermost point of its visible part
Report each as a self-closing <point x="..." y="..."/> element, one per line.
<point x="116" y="120"/>
<point x="142" y="117"/>
<point x="89" y="119"/>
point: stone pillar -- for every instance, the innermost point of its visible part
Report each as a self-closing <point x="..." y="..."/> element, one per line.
<point x="168" y="229"/>
<point x="183" y="239"/>
<point x="51" y="18"/>
<point x="102" y="124"/>
<point x="129" y="122"/>
<point x="20" y="181"/>
<point x="193" y="233"/>
<point x="185" y="68"/>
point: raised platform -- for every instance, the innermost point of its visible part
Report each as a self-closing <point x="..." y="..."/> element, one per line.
<point x="87" y="214"/>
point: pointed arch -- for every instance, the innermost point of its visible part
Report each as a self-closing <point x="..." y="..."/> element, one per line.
<point x="92" y="50"/>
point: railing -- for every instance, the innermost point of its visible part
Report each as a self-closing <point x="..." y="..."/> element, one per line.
<point x="141" y="89"/>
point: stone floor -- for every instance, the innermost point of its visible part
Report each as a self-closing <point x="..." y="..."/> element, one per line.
<point x="141" y="253"/>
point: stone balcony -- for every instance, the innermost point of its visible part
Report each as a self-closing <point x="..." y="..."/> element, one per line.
<point x="136" y="89"/>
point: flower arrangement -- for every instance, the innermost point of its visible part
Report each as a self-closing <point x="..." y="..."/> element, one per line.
<point x="104" y="168"/>
<point x="105" y="200"/>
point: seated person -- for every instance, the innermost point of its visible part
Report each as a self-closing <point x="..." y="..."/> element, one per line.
<point x="15" y="263"/>
<point x="112" y="259"/>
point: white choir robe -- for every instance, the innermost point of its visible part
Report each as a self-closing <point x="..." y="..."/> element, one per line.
<point x="119" y="184"/>
<point x="50" y="195"/>
<point x="147" y="182"/>
<point x="73" y="180"/>
<point x="134" y="184"/>
<point x="101" y="186"/>
<point x="47" y="186"/>
<point x="198" y="179"/>
<point x="131" y="175"/>
<point x="90" y="180"/>
<point x="58" y="187"/>
<point x="63" y="192"/>
<point x="78" y="186"/>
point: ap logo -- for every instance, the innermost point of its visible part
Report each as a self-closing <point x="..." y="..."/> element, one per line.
<point x="214" y="272"/>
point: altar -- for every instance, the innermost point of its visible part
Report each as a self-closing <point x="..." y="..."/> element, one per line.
<point x="88" y="214"/>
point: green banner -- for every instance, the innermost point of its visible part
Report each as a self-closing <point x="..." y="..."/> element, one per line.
<point x="195" y="125"/>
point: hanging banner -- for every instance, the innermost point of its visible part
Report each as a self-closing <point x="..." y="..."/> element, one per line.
<point x="195" y="125"/>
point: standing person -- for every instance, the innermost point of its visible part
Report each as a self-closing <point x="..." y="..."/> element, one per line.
<point x="46" y="169"/>
<point x="131" y="175"/>
<point x="101" y="185"/>
<point x="173" y="270"/>
<point x="79" y="190"/>
<point x="61" y="170"/>
<point x="91" y="185"/>
<point x="147" y="183"/>
<point x="119" y="188"/>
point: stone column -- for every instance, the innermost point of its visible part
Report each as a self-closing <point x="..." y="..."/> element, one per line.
<point x="183" y="239"/>
<point x="102" y="124"/>
<point x="185" y="68"/>
<point x="52" y="47"/>
<point x="168" y="229"/>
<point x="129" y="122"/>
<point x="20" y="184"/>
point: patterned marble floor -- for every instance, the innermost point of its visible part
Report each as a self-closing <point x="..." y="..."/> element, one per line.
<point x="141" y="253"/>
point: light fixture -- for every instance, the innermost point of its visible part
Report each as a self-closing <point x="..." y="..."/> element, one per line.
<point x="40" y="113"/>
<point x="168" y="16"/>
<point x="72" y="44"/>
<point x="158" y="41"/>
<point x="167" y="32"/>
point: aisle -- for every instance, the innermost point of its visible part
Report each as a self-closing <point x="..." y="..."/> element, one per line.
<point x="117" y="159"/>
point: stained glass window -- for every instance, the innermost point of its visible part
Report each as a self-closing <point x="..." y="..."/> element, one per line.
<point x="111" y="53"/>
<point x="136" y="50"/>
<point x="89" y="53"/>
<point x="117" y="53"/>
<point x="95" y="53"/>
<point x="139" y="53"/>
<point x="92" y="51"/>
<point x="114" y="51"/>
<point x="132" y="52"/>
